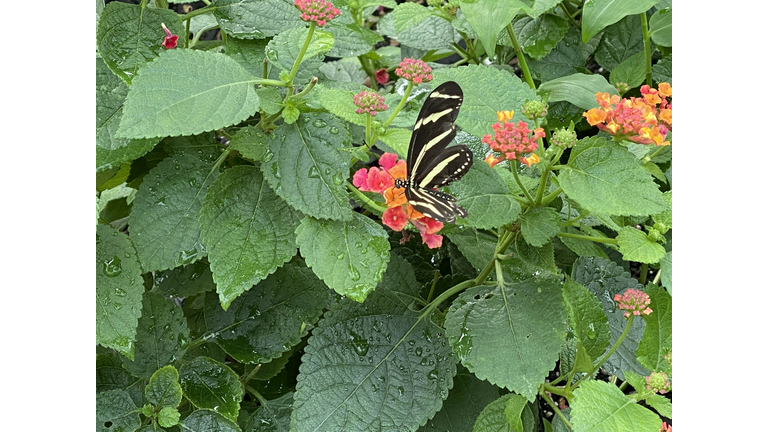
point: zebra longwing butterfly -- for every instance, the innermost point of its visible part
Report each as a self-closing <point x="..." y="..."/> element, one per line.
<point x="431" y="163"/>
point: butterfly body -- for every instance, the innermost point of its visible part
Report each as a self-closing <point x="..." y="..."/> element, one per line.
<point x="431" y="163"/>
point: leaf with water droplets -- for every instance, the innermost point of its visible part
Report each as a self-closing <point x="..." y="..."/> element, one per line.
<point x="284" y="48"/>
<point x="270" y="318"/>
<point x="162" y="336"/>
<point x="185" y="281"/>
<point x="115" y="411"/>
<point x="362" y="368"/>
<point x="249" y="19"/>
<point x="272" y="416"/>
<point x="466" y="400"/>
<point x="247" y="229"/>
<point x="110" y="95"/>
<point x="164" y="389"/>
<point x="163" y="221"/>
<point x="351" y="40"/>
<point x="185" y="92"/>
<point x="509" y="335"/>
<point x="604" y="279"/>
<point x="328" y="246"/>
<point x="119" y="287"/>
<point x="302" y="146"/>
<point x="204" y="420"/>
<point x="601" y="407"/>
<point x="129" y="36"/>
<point x="486" y="198"/>
<point x="586" y="318"/>
<point x="209" y="384"/>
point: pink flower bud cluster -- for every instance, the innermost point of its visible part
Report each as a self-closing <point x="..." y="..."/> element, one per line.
<point x="414" y="70"/>
<point x="319" y="11"/>
<point x="634" y="302"/>
<point x="658" y="382"/>
<point x="369" y="102"/>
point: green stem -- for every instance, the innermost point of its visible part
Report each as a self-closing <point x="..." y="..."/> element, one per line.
<point x="506" y="239"/>
<point x="610" y="353"/>
<point x="647" y="48"/>
<point x="589" y="238"/>
<point x="365" y="199"/>
<point x="196" y="12"/>
<point x="303" y="51"/>
<point x="207" y="2"/>
<point x="547" y="199"/>
<point x="542" y="186"/>
<point x="265" y="71"/>
<point x="657" y="278"/>
<point x="186" y="35"/>
<point x="520" y="57"/>
<point x="306" y="89"/>
<point x="643" y="273"/>
<point x="513" y="168"/>
<point x="271" y="82"/>
<point x="251" y="374"/>
<point x="434" y="283"/>
<point x="258" y="395"/>
<point x="399" y="105"/>
<point x="551" y="403"/>
<point x="364" y="62"/>
<point x="654" y="154"/>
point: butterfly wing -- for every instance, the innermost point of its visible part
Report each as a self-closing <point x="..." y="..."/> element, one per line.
<point x="449" y="165"/>
<point x="434" y="204"/>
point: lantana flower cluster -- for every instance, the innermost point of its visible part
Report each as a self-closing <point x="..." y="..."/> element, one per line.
<point x="665" y="427"/>
<point x="634" y="302"/>
<point x="512" y="142"/>
<point x="319" y="11"/>
<point x="398" y="213"/>
<point x="170" y="40"/>
<point x="414" y="70"/>
<point x="658" y="382"/>
<point x="369" y="102"/>
<point x="643" y="120"/>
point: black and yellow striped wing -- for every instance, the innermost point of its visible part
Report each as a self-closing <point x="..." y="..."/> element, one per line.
<point x="431" y="163"/>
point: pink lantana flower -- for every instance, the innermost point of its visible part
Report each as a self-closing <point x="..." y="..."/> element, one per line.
<point x="634" y="302"/>
<point x="171" y="40"/>
<point x="319" y="11"/>
<point x="414" y="70"/>
<point x="382" y="76"/>
<point x="512" y="142"/>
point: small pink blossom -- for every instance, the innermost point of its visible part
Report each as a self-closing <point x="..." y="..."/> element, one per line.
<point x="369" y="102"/>
<point x="382" y="76"/>
<point x="414" y="70"/>
<point x="379" y="180"/>
<point x="665" y="427"/>
<point x="171" y="40"/>
<point x="634" y="302"/>
<point x="319" y="11"/>
<point x="395" y="218"/>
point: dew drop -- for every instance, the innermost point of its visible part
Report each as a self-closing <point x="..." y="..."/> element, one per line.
<point x="334" y="130"/>
<point x="319" y="123"/>
<point x="112" y="267"/>
<point x="314" y="172"/>
<point x="338" y="179"/>
<point x="353" y="273"/>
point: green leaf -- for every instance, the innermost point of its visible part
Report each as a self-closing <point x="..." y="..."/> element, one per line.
<point x="599" y="14"/>
<point x="662" y="71"/>
<point x="398" y="140"/>
<point x="538" y="257"/>
<point x="307" y="168"/>
<point x="478" y="111"/>
<point x="251" y="142"/>
<point x="601" y="406"/>
<point x="110" y="375"/>
<point x="351" y="40"/>
<point x="185" y="281"/>
<point x="249" y="19"/>
<point x="486" y="198"/>
<point x="163" y="219"/>
<point x="660" y="404"/>
<point x="270" y="318"/>
<point x="248" y="231"/>
<point x="250" y="54"/>
<point x="408" y="15"/>
<point x="430" y="33"/>
<point x="605" y="178"/>
<point x="539" y="36"/>
<point x="363" y="368"/>
<point x="339" y="102"/>
<point x="161" y="337"/>
<point x="657" y="337"/>
<point x="116" y="412"/>
<point x="520" y="414"/>
<point x="489" y="17"/>
<point x="284" y="48"/>
<point x="129" y="36"/>
<point x="344" y="70"/>
<point x="272" y="416"/>
<point x="586" y="318"/>
<point x="185" y="92"/>
<point x="666" y="272"/>
<point x="163" y="389"/>
<point x="509" y="335"/>
<point x="578" y="89"/>
<point x="605" y="279"/>
<point x="466" y="400"/>
<point x="567" y="58"/>
<point x="635" y="245"/>
<point x="110" y="94"/>
<point x="620" y="42"/>
<point x="349" y="256"/>
<point x="660" y="27"/>
<point x="212" y="385"/>
<point x="204" y="420"/>
<point x="168" y="416"/>
<point x="493" y="418"/>
<point x="119" y="288"/>
<point x="477" y="246"/>
<point x="630" y="71"/>
<point x="581" y="247"/>
<point x="539" y="224"/>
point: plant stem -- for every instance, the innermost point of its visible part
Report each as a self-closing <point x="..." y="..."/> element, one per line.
<point x="251" y="374"/>
<point x="589" y="238"/>
<point x="657" y="278"/>
<point x="303" y="51"/>
<point x="647" y="49"/>
<point x="399" y="105"/>
<point x="547" y="199"/>
<point x="513" y="168"/>
<point x="506" y="239"/>
<point x="364" y="198"/>
<point x="434" y="283"/>
<point x="643" y="273"/>
<point x="520" y="57"/>
<point x="258" y="395"/>
<point x="613" y="349"/>
<point x="369" y="71"/>
<point x="551" y="403"/>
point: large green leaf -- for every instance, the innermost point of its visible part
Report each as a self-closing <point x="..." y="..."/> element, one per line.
<point x="599" y="14"/>
<point x="486" y="198"/>
<point x="204" y="420"/>
<point x="478" y="111"/>
<point x="492" y="418"/>
<point x="489" y="17"/>
<point x="248" y="19"/>
<point x="537" y="36"/>
<point x="605" y="178"/>
<point x="307" y="168"/>
<point x="630" y="71"/>
<point x="477" y="246"/>
<point x="567" y="58"/>
<point x="578" y="89"/>
<point x="349" y="256"/>
<point x="270" y="318"/>
<point x="185" y="281"/>
<point x="161" y="337"/>
<point x="586" y="318"/>
<point x="284" y="48"/>
<point x="635" y="245"/>
<point x="351" y="40"/>
<point x="110" y="94"/>
<point x="466" y="400"/>
<point x="600" y="406"/>
<point x="185" y="92"/>
<point x="660" y="27"/>
<point x="272" y="416"/>
<point x="539" y="224"/>
<point x="212" y="385"/>
<point x="116" y="412"/>
<point x="164" y="389"/>
<point x="509" y="335"/>
<point x="426" y="33"/>
<point x="119" y="288"/>
<point x="620" y="42"/>
<point x="110" y="375"/>
<point x="163" y="221"/>
<point x="128" y="36"/>
<point x="657" y="337"/>
<point x="666" y="272"/>
<point x="248" y="231"/>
